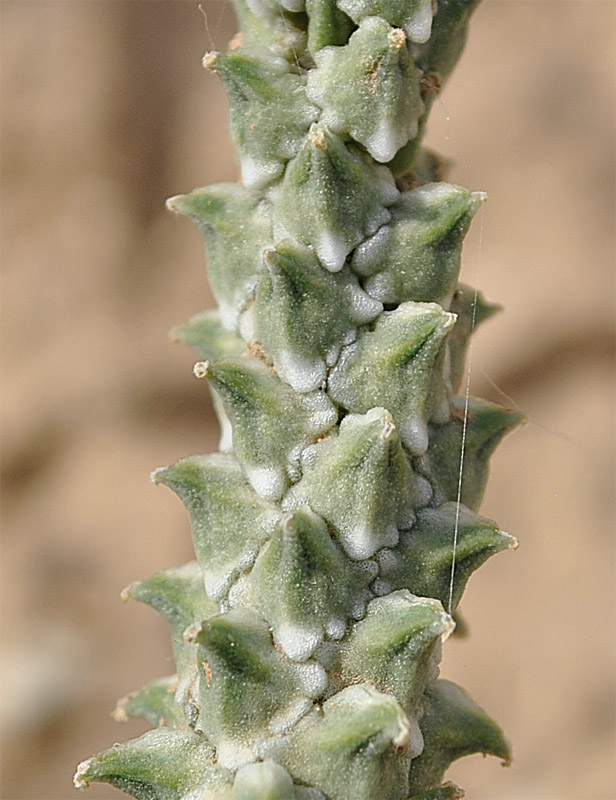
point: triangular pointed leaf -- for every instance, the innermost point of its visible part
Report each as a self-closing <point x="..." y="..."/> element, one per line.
<point x="369" y="89"/>
<point x="293" y="319"/>
<point x="360" y="482"/>
<point x="305" y="585"/>
<point x="229" y="519"/>
<point x="416" y="256"/>
<point x="179" y="597"/>
<point x="327" y="24"/>
<point x="249" y="691"/>
<point x="396" y="646"/>
<point x="161" y="765"/>
<point x="155" y="703"/>
<point x="312" y="201"/>
<point x="236" y="226"/>
<point x="453" y="726"/>
<point x="422" y="561"/>
<point x="441" y="52"/>
<point x="471" y="310"/>
<point x="271" y="423"/>
<point x="397" y="365"/>
<point x="269" y="111"/>
<point x="207" y="335"/>
<point x="360" y="746"/>
<point x="486" y="425"/>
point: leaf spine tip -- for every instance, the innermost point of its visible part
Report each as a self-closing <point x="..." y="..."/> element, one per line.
<point x="316" y="135"/>
<point x="397" y="38"/>
<point x="210" y="60"/>
<point x="79" y="779"/>
<point x="201" y="368"/>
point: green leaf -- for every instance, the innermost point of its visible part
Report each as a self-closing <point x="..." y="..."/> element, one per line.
<point x="453" y="726"/>
<point x="487" y="423"/>
<point x="416" y="256"/>
<point x="369" y="89"/>
<point x="293" y="318"/>
<point x="229" y="519"/>
<point x="398" y="365"/>
<point x="359" y="746"/>
<point x="471" y="310"/>
<point x="440" y="53"/>
<point x="327" y="24"/>
<point x="155" y="703"/>
<point x="248" y="690"/>
<point x="422" y="561"/>
<point x="269" y="111"/>
<point x="396" y="646"/>
<point x="206" y="334"/>
<point x="360" y="483"/>
<point x="271" y="423"/>
<point x="236" y="226"/>
<point x="313" y="201"/>
<point x="304" y="585"/>
<point x="160" y="765"/>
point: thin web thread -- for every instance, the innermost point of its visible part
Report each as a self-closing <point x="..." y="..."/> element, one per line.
<point x="467" y="395"/>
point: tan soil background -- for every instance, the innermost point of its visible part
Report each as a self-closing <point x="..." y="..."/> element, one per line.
<point x="105" y="112"/>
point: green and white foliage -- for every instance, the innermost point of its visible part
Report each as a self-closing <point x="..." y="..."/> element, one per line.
<point x="333" y="535"/>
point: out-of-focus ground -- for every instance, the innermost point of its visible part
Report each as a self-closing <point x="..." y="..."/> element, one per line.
<point x="105" y="111"/>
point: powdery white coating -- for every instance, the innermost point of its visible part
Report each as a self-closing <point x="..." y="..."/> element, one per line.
<point x="389" y="193"/>
<point x="297" y="642"/>
<point x="415" y="739"/>
<point x="257" y="174"/>
<point x="386" y="140"/>
<point x="360" y="543"/>
<point x="225" y="444"/>
<point x="323" y="413"/>
<point x="335" y="628"/>
<point x="218" y="580"/>
<point x="370" y="252"/>
<point x="268" y="776"/>
<point x="236" y="592"/>
<point x="332" y="355"/>
<point x="313" y="679"/>
<point x="246" y="324"/>
<point x="363" y="307"/>
<point x="303" y="374"/>
<point x="414" y="434"/>
<point x="232" y="755"/>
<point x="420" y="25"/>
<point x="332" y="250"/>
<point x="283" y="722"/>
<point x="268" y="482"/>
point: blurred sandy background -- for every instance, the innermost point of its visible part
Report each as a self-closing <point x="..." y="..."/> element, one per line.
<point x="105" y="112"/>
